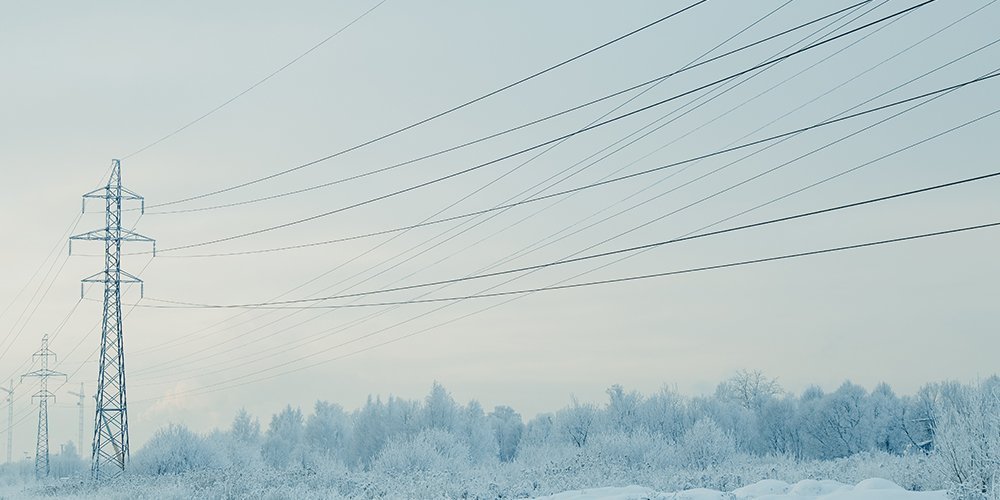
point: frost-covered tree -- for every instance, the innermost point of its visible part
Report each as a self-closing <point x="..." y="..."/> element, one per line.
<point x="507" y="429"/>
<point x="327" y="429"/>
<point x="431" y="450"/>
<point x="749" y="388"/>
<point x="440" y="410"/>
<point x="283" y="443"/>
<point x="916" y="423"/>
<point x="369" y="433"/>
<point x="664" y="414"/>
<point x="729" y="415"/>
<point x="622" y="412"/>
<point x="174" y="450"/>
<point x="403" y="416"/>
<point x="838" y="424"/>
<point x="475" y="430"/>
<point x="886" y="413"/>
<point x="777" y="427"/>
<point x="705" y="445"/>
<point x="242" y="443"/>
<point x="245" y="428"/>
<point x="967" y="438"/>
<point x="577" y="421"/>
<point x="540" y="430"/>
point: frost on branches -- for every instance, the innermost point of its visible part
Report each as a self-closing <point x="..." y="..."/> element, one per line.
<point x="748" y="432"/>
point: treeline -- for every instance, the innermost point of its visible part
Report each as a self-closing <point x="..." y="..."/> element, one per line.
<point x="945" y="435"/>
<point x="748" y="414"/>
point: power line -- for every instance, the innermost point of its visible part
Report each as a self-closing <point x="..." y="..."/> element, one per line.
<point x="515" y="168"/>
<point x="505" y="206"/>
<point x="255" y="85"/>
<point x="588" y="186"/>
<point x="443" y="113"/>
<point x="710" y="225"/>
<point x="551" y="141"/>
<point x="713" y="267"/>
<point x="802" y="215"/>
<point x="216" y="386"/>
<point x="897" y="150"/>
<point x="449" y="238"/>
<point x="646" y="84"/>
<point x="738" y="214"/>
<point x="713" y="224"/>
<point x="52" y="252"/>
<point x="59" y="244"/>
<point x="62" y="324"/>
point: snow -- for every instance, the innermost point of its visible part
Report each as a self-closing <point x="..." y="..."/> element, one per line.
<point x="611" y="493"/>
<point x="770" y="489"/>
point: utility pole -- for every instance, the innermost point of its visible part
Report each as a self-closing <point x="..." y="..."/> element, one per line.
<point x="80" y="404"/>
<point x="43" y="395"/>
<point x="10" y="418"/>
<point x="110" y="448"/>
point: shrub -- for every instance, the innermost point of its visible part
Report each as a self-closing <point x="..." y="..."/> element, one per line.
<point x="705" y="445"/>
<point x="174" y="450"/>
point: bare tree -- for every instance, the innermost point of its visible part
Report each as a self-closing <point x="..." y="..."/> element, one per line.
<point x="750" y="388"/>
<point x="576" y="421"/>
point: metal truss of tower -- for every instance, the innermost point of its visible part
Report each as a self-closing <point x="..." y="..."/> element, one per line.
<point x="110" y="451"/>
<point x="10" y="419"/>
<point x="43" y="395"/>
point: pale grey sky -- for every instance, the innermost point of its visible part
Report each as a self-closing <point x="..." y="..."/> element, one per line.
<point x="87" y="83"/>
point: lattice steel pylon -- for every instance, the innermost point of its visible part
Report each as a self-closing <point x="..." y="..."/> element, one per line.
<point x="43" y="395"/>
<point x="10" y="419"/>
<point x="110" y="453"/>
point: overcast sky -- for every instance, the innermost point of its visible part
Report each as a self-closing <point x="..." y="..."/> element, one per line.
<point x="85" y="83"/>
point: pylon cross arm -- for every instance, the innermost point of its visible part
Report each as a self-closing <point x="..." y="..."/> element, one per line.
<point x="104" y="235"/>
<point x="97" y="234"/>
<point x="101" y="276"/>
<point x="110" y="192"/>
<point x="104" y="192"/>
<point x="44" y="395"/>
<point x="132" y="236"/>
<point x="43" y="373"/>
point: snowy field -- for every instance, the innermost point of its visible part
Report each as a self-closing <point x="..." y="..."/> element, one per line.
<point x="810" y="489"/>
<point x="869" y="489"/>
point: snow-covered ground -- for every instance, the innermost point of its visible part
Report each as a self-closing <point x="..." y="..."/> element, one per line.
<point x="869" y="489"/>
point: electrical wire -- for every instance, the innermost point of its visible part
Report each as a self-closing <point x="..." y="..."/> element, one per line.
<point x="255" y="85"/>
<point x="543" y="144"/>
<point x="271" y="353"/>
<point x="191" y="305"/>
<point x="647" y="171"/>
<point x="876" y="97"/>
<point x="442" y="113"/>
<point x="216" y="386"/>
<point x="524" y="163"/>
<point x="647" y="85"/>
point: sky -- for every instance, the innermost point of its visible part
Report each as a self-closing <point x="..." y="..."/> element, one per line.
<point x="84" y="84"/>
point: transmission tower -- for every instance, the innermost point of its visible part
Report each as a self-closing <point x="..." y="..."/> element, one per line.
<point x="110" y="448"/>
<point x="80" y="405"/>
<point x="43" y="395"/>
<point x="10" y="418"/>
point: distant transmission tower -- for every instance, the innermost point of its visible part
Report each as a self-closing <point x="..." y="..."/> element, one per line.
<point x="43" y="395"/>
<point x="10" y="418"/>
<point x="80" y="404"/>
<point x="110" y="447"/>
